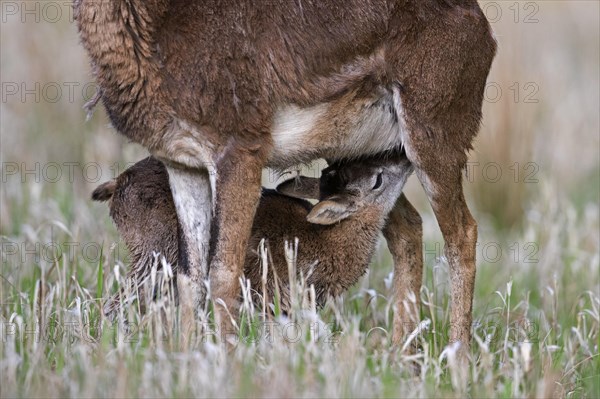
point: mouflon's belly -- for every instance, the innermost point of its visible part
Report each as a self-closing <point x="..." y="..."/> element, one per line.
<point x="352" y="126"/>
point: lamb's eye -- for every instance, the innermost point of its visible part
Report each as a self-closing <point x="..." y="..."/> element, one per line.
<point x="378" y="181"/>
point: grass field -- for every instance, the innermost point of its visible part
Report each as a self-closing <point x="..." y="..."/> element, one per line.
<point x="533" y="185"/>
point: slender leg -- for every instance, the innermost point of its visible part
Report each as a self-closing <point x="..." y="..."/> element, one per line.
<point x="192" y="196"/>
<point x="443" y="185"/>
<point x="404" y="234"/>
<point x="238" y="186"/>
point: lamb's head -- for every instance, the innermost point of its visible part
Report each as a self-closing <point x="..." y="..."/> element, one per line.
<point x="346" y="188"/>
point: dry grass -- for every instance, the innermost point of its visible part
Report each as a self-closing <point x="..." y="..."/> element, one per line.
<point x="537" y="303"/>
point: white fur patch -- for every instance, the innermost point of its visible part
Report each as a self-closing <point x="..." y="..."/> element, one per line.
<point x="378" y="128"/>
<point x="187" y="145"/>
<point x="192" y="195"/>
<point x="372" y="126"/>
<point x="397" y="101"/>
<point x="291" y="127"/>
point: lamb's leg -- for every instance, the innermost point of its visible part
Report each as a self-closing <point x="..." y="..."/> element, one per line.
<point x="403" y="233"/>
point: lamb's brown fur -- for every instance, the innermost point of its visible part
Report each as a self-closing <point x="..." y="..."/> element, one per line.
<point x="330" y="257"/>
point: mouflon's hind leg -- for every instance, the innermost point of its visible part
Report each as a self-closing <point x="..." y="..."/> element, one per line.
<point x="443" y="185"/>
<point x="404" y="235"/>
<point x="443" y="71"/>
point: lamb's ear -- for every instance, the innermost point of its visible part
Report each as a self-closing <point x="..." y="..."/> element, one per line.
<point x="330" y="211"/>
<point x="300" y="187"/>
<point x="104" y="191"/>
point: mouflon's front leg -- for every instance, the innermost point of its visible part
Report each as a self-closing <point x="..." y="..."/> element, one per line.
<point x="238" y="188"/>
<point x="192" y="195"/>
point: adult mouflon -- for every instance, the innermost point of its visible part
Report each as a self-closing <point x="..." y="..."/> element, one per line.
<point x="219" y="90"/>
<point x="337" y="236"/>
